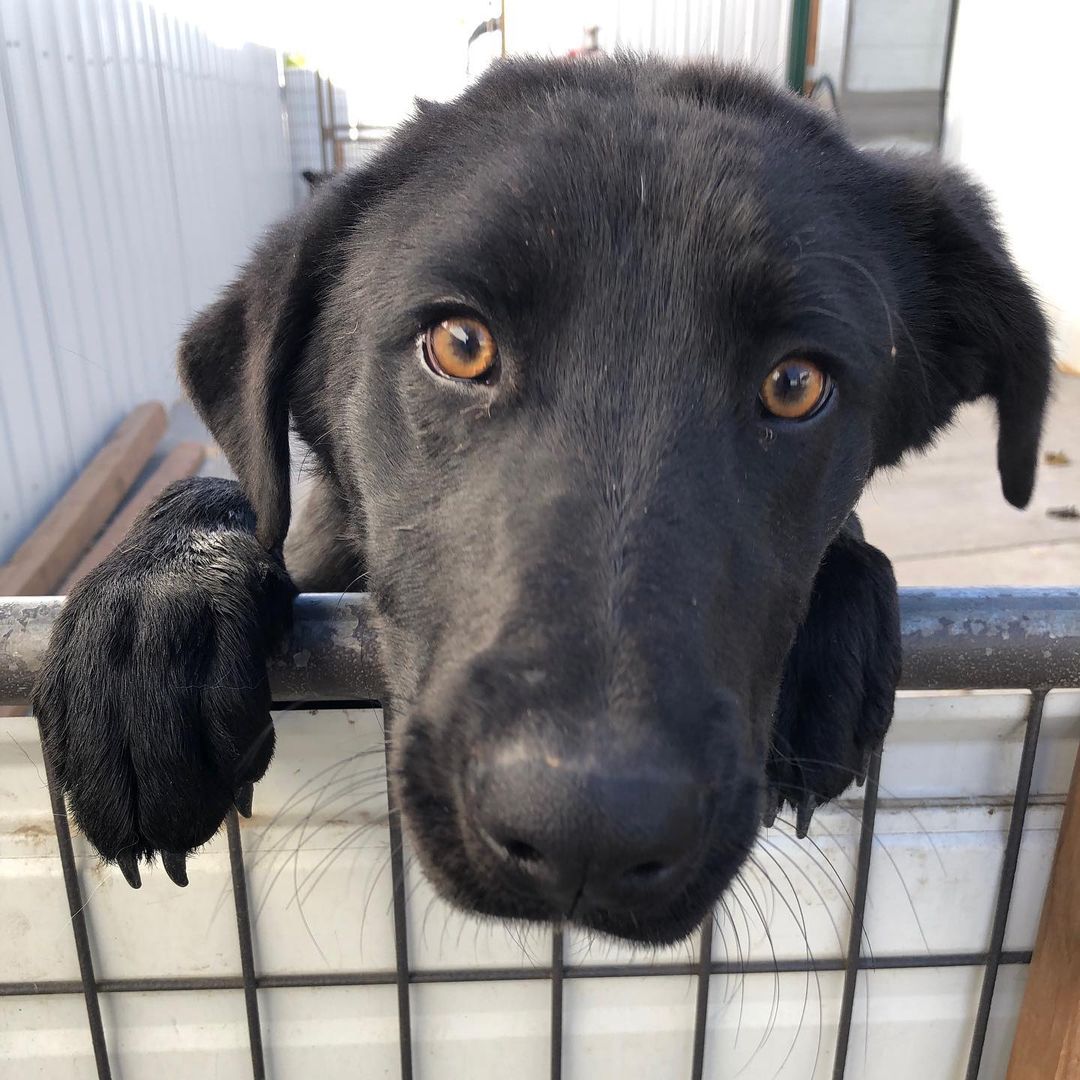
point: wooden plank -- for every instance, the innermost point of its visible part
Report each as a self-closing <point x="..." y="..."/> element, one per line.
<point x="39" y="565"/>
<point x="181" y="462"/>
<point x="813" y="26"/>
<point x="1047" y="1042"/>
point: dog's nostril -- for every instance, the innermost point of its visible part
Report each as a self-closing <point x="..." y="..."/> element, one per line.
<point x="568" y="827"/>
<point x="645" y="872"/>
<point x="522" y="852"/>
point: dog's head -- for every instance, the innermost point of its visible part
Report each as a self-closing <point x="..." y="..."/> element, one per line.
<point x="599" y="358"/>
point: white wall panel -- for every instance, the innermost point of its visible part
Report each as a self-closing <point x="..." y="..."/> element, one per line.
<point x="138" y="162"/>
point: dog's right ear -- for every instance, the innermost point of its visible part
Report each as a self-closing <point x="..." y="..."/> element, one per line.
<point x="238" y="358"/>
<point x="974" y="329"/>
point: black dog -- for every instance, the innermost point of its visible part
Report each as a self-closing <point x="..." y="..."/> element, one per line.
<point x="595" y="362"/>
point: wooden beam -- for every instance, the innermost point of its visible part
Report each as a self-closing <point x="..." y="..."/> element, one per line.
<point x="812" y="33"/>
<point x="1047" y="1042"/>
<point x="40" y="564"/>
<point x="181" y="462"/>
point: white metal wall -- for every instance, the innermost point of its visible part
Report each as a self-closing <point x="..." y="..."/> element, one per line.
<point x="1010" y="110"/>
<point x="302" y="88"/>
<point x="753" y="32"/>
<point x="138" y="161"/>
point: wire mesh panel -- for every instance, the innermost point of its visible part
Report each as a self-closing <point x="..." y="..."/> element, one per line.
<point x="891" y="942"/>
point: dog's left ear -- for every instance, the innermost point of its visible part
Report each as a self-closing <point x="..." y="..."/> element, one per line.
<point x="237" y="359"/>
<point x="971" y="327"/>
<point x="241" y="359"/>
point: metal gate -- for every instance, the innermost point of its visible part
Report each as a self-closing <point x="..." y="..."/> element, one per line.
<point x="953" y="639"/>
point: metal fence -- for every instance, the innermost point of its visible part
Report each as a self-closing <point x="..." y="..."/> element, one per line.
<point x="138" y="161"/>
<point x="953" y="639"/>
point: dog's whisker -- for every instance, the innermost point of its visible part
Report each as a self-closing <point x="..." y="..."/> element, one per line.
<point x="315" y="875"/>
<point x="774" y="1010"/>
<point x="826" y="907"/>
<point x="820" y="859"/>
<point x="255" y="850"/>
<point x="299" y="792"/>
<point x="291" y="855"/>
<point x="376" y="877"/>
<point x="801" y="923"/>
<point x="766" y="919"/>
<point x="431" y="906"/>
<point x="741" y="959"/>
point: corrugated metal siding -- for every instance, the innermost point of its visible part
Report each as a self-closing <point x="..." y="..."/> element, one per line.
<point x="754" y="32"/>
<point x="302" y="105"/>
<point x="302" y="89"/>
<point x="138" y="161"/>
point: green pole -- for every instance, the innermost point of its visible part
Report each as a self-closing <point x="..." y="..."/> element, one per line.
<point x="800" y="33"/>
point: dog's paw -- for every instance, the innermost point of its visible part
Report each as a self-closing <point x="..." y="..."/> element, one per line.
<point x="836" y="697"/>
<point x="153" y="699"/>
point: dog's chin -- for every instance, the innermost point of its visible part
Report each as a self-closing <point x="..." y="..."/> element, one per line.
<point x="656" y="926"/>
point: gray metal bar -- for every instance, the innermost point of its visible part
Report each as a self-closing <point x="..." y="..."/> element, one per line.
<point x="401" y="928"/>
<point x="1008" y="879"/>
<point x="946" y="75"/>
<point x="321" y="109"/>
<point x="88" y="985"/>
<point x="557" y="968"/>
<point x="247" y="948"/>
<point x="990" y="639"/>
<point x="470" y="975"/>
<point x="858" y="914"/>
<point x="701" y="1006"/>
<point x="331" y="653"/>
<point x="954" y="639"/>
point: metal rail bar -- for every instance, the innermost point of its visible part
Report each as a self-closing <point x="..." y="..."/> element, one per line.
<point x="954" y="639"/>
<point x="1008" y="879"/>
<point x="88" y="985"/>
<point x="440" y="976"/>
<point x="247" y="947"/>
<point x="701" y="1007"/>
<point x="558" y="969"/>
<point x="858" y="913"/>
<point x="401" y="928"/>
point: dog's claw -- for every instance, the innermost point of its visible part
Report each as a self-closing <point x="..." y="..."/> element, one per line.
<point x="242" y="799"/>
<point x="803" y="813"/>
<point x="175" y="863"/>
<point x="864" y="768"/>
<point x="773" y="802"/>
<point x="129" y="867"/>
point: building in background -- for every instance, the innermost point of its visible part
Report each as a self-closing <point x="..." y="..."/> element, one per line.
<point x="139" y="160"/>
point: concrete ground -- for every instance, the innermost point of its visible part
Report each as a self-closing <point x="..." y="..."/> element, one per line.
<point x="942" y="519"/>
<point x="941" y="516"/>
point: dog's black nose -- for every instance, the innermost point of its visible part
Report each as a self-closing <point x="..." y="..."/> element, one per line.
<point x="574" y="828"/>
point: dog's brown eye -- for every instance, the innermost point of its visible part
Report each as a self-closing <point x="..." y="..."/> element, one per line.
<point x="794" y="389"/>
<point x="460" y="348"/>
